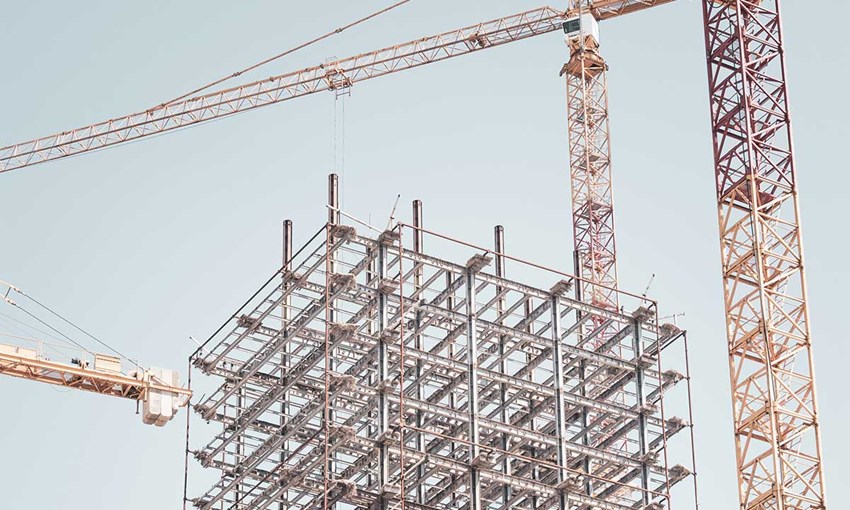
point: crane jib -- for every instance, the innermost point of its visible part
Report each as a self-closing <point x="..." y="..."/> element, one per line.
<point x="329" y="76"/>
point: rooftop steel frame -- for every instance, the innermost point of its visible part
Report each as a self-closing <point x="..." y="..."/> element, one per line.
<point x="368" y="373"/>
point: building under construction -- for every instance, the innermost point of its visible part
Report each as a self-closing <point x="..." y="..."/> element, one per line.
<point x="371" y="373"/>
<point x="385" y="368"/>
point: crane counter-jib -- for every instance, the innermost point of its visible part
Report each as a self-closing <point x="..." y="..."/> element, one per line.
<point x="607" y="9"/>
<point x="50" y="336"/>
<point x="161" y="397"/>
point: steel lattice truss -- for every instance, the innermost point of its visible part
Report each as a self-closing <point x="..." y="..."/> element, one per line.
<point x="449" y="385"/>
<point x="770" y="359"/>
<point x="590" y="177"/>
<point x="334" y="75"/>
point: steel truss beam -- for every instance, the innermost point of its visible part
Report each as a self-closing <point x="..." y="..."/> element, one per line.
<point x="335" y="75"/>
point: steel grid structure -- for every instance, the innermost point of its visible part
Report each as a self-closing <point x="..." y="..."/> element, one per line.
<point x="370" y="374"/>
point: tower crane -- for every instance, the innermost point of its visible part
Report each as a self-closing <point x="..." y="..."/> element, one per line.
<point x="776" y="427"/>
<point x="158" y="390"/>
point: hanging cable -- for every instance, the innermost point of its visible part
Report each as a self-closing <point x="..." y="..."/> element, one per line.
<point x="339" y="144"/>
<point x="342" y="160"/>
<point x="334" y="137"/>
<point x="288" y="52"/>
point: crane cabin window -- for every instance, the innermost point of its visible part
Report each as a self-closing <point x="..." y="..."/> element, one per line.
<point x="572" y="26"/>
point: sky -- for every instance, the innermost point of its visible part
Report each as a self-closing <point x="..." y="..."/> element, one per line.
<point x="149" y="243"/>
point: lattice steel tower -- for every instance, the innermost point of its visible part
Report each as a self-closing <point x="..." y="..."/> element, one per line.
<point x="590" y="160"/>
<point x="777" y="434"/>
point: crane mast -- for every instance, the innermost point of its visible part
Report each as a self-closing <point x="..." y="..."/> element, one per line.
<point x="777" y="432"/>
<point x="590" y="165"/>
<point x="591" y="186"/>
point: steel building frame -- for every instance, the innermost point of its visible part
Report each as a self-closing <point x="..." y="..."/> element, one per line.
<point x="367" y="369"/>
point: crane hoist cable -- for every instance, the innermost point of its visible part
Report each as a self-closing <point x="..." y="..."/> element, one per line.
<point x="339" y="142"/>
<point x="288" y="52"/>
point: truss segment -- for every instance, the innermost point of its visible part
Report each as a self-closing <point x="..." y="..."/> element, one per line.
<point x="777" y="433"/>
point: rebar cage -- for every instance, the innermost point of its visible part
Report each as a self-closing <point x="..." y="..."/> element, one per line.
<point x="367" y="373"/>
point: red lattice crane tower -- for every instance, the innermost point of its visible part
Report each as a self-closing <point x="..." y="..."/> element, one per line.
<point x="773" y="389"/>
<point x="777" y="433"/>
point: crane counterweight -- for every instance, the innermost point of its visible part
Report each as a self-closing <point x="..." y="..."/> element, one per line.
<point x="158" y="389"/>
<point x="161" y="396"/>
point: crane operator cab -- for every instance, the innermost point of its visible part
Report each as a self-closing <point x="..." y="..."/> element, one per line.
<point x="581" y="31"/>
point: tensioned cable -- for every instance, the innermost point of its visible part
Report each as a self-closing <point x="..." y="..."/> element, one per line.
<point x="36" y="340"/>
<point x="63" y="319"/>
<point x="63" y="335"/>
<point x="216" y="119"/>
<point x="104" y="344"/>
<point x="12" y="320"/>
<point x="288" y="52"/>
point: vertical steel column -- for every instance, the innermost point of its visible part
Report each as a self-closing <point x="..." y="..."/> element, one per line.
<point x="777" y="433"/>
<point x="240" y="441"/>
<point x="333" y="199"/>
<point x="450" y="304"/>
<point x="285" y="311"/>
<point x="590" y="170"/>
<point x="499" y="245"/>
<point x="560" y="409"/>
<point x="640" y="392"/>
<point x="472" y="388"/>
<point x="333" y="219"/>
<point x="371" y="329"/>
<point x="383" y="374"/>
<point x="535" y="468"/>
<point x="418" y="242"/>
<point x="582" y="380"/>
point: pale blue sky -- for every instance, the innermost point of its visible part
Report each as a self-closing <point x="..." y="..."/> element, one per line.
<point x="149" y="243"/>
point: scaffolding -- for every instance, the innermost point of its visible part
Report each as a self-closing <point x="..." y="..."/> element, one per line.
<point x="369" y="373"/>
